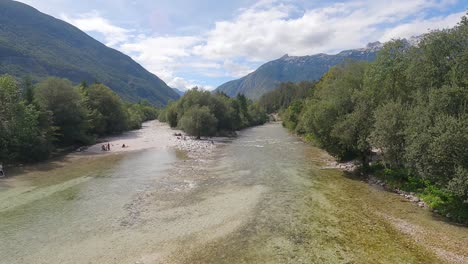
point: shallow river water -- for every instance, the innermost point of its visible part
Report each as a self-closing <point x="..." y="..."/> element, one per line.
<point x="260" y="198"/>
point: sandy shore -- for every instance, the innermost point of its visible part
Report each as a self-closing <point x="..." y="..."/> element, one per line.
<point x="153" y="134"/>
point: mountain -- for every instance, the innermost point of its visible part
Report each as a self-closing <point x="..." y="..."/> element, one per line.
<point x="179" y="92"/>
<point x="293" y="69"/>
<point x="36" y="44"/>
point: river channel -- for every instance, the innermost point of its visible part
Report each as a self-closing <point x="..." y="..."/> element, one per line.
<point x="263" y="197"/>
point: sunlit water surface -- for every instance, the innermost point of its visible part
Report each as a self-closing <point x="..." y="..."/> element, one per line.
<point x="260" y="198"/>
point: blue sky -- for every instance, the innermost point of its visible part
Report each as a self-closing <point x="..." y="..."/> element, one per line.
<point x="208" y="42"/>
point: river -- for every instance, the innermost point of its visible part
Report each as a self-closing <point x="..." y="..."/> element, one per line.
<point x="262" y="197"/>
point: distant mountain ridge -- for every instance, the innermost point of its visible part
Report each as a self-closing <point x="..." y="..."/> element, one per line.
<point x="36" y="44"/>
<point x="293" y="69"/>
<point x="179" y="92"/>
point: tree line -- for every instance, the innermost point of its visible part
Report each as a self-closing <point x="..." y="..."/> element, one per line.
<point x="284" y="95"/>
<point x="202" y="113"/>
<point x="36" y="120"/>
<point x="410" y="106"/>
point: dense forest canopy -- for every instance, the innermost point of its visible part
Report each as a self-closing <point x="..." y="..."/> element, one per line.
<point x="36" y="120"/>
<point x="201" y="113"/>
<point x="409" y="106"/>
<point x="285" y="94"/>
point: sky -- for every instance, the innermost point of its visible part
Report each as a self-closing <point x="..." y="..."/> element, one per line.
<point x="208" y="42"/>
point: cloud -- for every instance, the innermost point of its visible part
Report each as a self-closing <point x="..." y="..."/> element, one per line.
<point x="416" y="27"/>
<point x="164" y="56"/>
<point x="270" y="29"/>
<point x="94" y="22"/>
<point x="267" y="30"/>
<point x="234" y="69"/>
<point x="182" y="84"/>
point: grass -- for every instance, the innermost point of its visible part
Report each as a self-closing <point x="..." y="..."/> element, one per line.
<point x="436" y="197"/>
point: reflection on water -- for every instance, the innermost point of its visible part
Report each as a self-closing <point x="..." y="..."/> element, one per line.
<point x="259" y="198"/>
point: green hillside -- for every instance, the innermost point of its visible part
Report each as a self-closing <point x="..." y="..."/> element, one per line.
<point x="36" y="44"/>
<point x="293" y="69"/>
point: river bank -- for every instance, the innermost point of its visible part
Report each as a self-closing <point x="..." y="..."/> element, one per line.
<point x="155" y="134"/>
<point x="152" y="135"/>
<point x="420" y="193"/>
<point x="261" y="197"/>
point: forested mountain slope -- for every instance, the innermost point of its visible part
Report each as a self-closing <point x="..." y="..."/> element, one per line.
<point x="293" y="69"/>
<point x="36" y="44"/>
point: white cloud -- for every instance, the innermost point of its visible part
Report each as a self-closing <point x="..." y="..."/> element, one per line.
<point x="182" y="84"/>
<point x="417" y="27"/>
<point x="269" y="30"/>
<point x="265" y="31"/>
<point x="164" y="56"/>
<point x="236" y="69"/>
<point x="94" y="22"/>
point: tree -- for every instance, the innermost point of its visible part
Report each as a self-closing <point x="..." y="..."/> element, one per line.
<point x="22" y="136"/>
<point x="230" y="113"/>
<point x="243" y="110"/>
<point x="65" y="104"/>
<point x="388" y="133"/>
<point x="28" y="90"/>
<point x="172" y="115"/>
<point x="291" y="115"/>
<point x="437" y="134"/>
<point x="386" y="79"/>
<point x="337" y="115"/>
<point x="107" y="111"/>
<point x="199" y="121"/>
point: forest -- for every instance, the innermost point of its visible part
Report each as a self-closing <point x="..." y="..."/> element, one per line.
<point x="53" y="115"/>
<point x="409" y="107"/>
<point x="202" y="113"/>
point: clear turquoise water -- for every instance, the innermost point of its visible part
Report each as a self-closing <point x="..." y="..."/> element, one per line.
<point x="260" y="198"/>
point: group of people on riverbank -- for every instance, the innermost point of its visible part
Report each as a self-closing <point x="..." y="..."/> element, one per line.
<point x="106" y="147"/>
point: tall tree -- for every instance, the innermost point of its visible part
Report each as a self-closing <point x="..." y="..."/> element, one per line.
<point x="199" y="121"/>
<point x="64" y="102"/>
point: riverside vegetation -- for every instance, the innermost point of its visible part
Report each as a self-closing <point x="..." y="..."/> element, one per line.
<point x="38" y="119"/>
<point x="201" y="113"/>
<point x="409" y="106"/>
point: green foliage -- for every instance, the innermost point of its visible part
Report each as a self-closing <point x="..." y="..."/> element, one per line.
<point x="37" y="45"/>
<point x="162" y="115"/>
<point x="54" y="113"/>
<point x="458" y="185"/>
<point x="270" y="75"/>
<point x="139" y="113"/>
<point x="410" y="105"/>
<point x="286" y="93"/>
<point x="291" y="115"/>
<point x="329" y="115"/>
<point x="230" y="114"/>
<point x="64" y="102"/>
<point x="388" y="133"/>
<point x="198" y="121"/>
<point x="22" y="135"/>
<point x="108" y="114"/>
<point x="171" y="114"/>
<point x="28" y="90"/>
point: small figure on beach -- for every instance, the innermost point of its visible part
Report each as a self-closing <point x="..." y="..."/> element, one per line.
<point x="123" y="146"/>
<point x="108" y="146"/>
<point x="2" y="173"/>
<point x="103" y="148"/>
